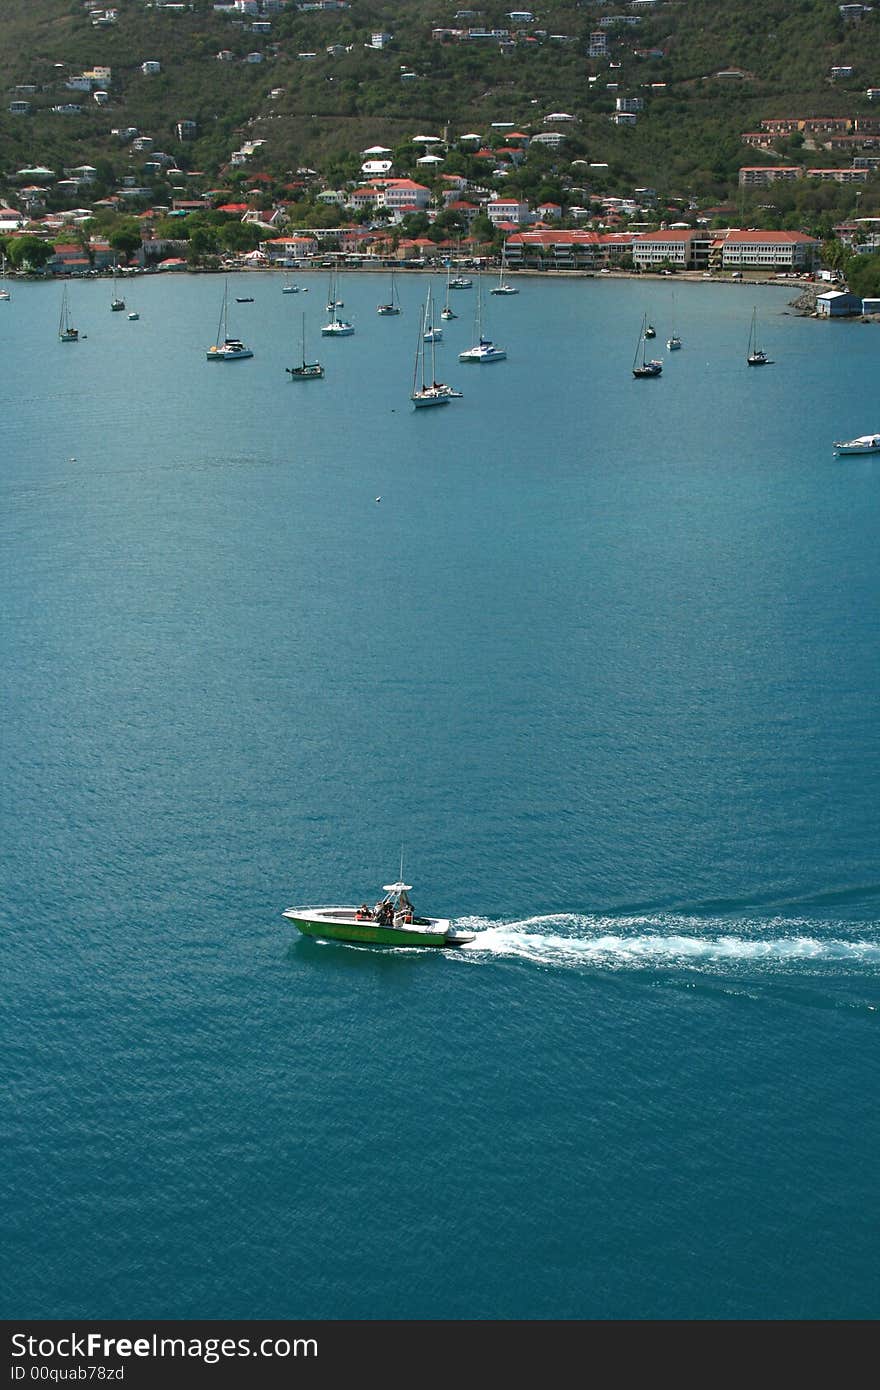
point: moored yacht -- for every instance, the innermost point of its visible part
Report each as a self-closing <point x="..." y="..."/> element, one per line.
<point x="226" y="348"/>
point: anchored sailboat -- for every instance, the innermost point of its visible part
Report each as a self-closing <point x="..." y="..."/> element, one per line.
<point x="673" y="342"/>
<point x="503" y="287"/>
<point x="337" y="327"/>
<point x="66" y="334"/>
<point x="484" y="350"/>
<point x="116" y="304"/>
<point x="226" y="349"/>
<point x="308" y="371"/>
<point x="646" y="367"/>
<point x="447" y="312"/>
<point x="393" y="305"/>
<point x="431" y="391"/>
<point x="756" y="356"/>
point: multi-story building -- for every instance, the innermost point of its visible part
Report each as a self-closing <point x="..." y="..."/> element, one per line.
<point x="759" y="250"/>
<point x="756" y="175"/>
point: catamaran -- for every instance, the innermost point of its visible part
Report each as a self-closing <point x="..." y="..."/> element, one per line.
<point x="645" y="368"/>
<point x="66" y="334"/>
<point x="226" y="349"/>
<point x="484" y="350"/>
<point x="392" y="922"/>
<point x="308" y="371"/>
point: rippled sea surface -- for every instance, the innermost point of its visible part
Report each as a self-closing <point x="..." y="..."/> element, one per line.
<point x="603" y="663"/>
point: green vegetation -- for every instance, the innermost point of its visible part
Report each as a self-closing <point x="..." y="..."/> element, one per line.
<point x="326" y="109"/>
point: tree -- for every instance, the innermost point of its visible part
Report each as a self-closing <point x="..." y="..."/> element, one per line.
<point x="29" y="252"/>
<point x="202" y="242"/>
<point x="240" y="236"/>
<point x="125" y="236"/>
<point x="863" y="275"/>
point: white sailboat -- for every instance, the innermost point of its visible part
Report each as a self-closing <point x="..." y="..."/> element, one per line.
<point x="337" y="327"/>
<point x="484" y="350"/>
<point x="4" y="292"/>
<point x="288" y="288"/>
<point x="756" y="356"/>
<point x="66" y="333"/>
<point x="503" y="287"/>
<point x="307" y="371"/>
<point x="226" y="349"/>
<point x="431" y="391"/>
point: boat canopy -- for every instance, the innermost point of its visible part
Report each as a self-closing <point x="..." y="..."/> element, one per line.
<point x="396" y="887"/>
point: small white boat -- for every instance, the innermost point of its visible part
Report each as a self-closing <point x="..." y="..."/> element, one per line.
<point x="226" y="349"/>
<point x="460" y="282"/>
<point x="433" y="334"/>
<point x="4" y="293"/>
<point x="673" y="343"/>
<point x="134" y="315"/>
<point x="650" y="331"/>
<point x="862" y="444"/>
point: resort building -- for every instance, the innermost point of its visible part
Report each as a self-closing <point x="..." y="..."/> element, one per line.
<point x="758" y="250"/>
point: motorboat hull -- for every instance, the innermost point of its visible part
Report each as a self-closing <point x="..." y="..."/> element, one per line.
<point x="342" y="924"/>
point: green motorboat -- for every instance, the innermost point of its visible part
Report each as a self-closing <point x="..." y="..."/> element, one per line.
<point x="392" y="922"/>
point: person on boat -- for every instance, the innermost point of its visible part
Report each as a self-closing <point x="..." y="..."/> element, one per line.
<point x="363" y="913"/>
<point x="404" y="913"/>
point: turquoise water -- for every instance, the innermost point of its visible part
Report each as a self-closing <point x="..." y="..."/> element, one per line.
<point x="603" y="660"/>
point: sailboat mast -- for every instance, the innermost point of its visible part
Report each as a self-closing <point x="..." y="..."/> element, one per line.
<point x="420" y="352"/>
<point x="433" y="380"/>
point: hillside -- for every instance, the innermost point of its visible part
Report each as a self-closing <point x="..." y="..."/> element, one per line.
<point x="686" y="141"/>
